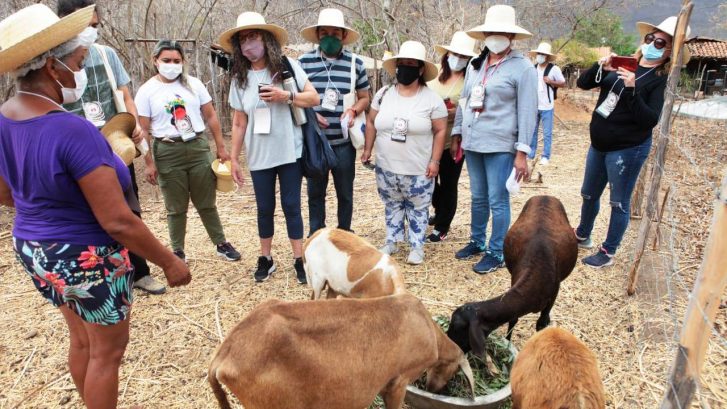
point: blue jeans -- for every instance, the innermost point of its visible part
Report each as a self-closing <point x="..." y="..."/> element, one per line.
<point x="263" y="183"/>
<point x="620" y="170"/>
<point x="343" y="175"/>
<point x="488" y="173"/>
<point x="547" y="118"/>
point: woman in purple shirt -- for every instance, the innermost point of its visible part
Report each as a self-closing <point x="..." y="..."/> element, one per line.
<point x="72" y="226"/>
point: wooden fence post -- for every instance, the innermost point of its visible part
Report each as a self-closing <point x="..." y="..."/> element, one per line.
<point x="661" y="143"/>
<point x="703" y="305"/>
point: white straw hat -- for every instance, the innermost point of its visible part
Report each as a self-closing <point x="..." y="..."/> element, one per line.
<point x="118" y="132"/>
<point x="668" y="26"/>
<point x="461" y="44"/>
<point x="250" y="20"/>
<point x="31" y="31"/>
<point x="416" y="51"/>
<point x="330" y="18"/>
<point x="499" y="19"/>
<point x="545" y="49"/>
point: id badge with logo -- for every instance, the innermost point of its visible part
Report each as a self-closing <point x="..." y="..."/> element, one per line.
<point x="94" y="113"/>
<point x="608" y="105"/>
<point x="330" y="99"/>
<point x="477" y="97"/>
<point x="262" y="120"/>
<point x="399" y="130"/>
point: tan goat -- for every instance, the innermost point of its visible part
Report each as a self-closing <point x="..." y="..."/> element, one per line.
<point x="555" y="370"/>
<point x="350" y="266"/>
<point x="333" y="354"/>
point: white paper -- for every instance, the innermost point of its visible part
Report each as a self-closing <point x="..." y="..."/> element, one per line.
<point x="344" y="126"/>
<point x="262" y="121"/>
<point x="222" y="168"/>
<point x="512" y="185"/>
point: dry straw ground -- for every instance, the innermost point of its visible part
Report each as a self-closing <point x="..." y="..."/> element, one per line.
<point x="174" y="335"/>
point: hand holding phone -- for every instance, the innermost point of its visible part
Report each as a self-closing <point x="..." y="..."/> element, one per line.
<point x="628" y="63"/>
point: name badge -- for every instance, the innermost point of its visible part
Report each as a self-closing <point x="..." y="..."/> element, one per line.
<point x="608" y="105"/>
<point x="93" y="111"/>
<point x="477" y="97"/>
<point x="262" y="120"/>
<point x="400" y="129"/>
<point x="330" y="99"/>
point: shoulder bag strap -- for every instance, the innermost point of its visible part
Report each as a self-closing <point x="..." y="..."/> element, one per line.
<point x="353" y="73"/>
<point x="109" y="72"/>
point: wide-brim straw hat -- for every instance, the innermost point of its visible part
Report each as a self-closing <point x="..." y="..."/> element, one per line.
<point x="414" y="50"/>
<point x="330" y="18"/>
<point x="223" y="172"/>
<point x="461" y="44"/>
<point x="250" y="20"/>
<point x="500" y="19"/>
<point x="117" y="132"/>
<point x="36" y="29"/>
<point x="668" y="26"/>
<point x="545" y="49"/>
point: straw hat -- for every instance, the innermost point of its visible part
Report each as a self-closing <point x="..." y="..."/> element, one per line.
<point x="461" y="44"/>
<point x="545" y="49"/>
<point x="36" y="29"/>
<point x="414" y="50"/>
<point x="330" y="18"/>
<point x="500" y="19"/>
<point x="668" y="26"/>
<point x="250" y="20"/>
<point x="223" y="172"/>
<point x="118" y="132"/>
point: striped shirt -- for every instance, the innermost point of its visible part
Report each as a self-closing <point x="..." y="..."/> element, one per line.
<point x="335" y="74"/>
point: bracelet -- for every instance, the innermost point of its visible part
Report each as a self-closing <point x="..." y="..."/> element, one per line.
<point x="434" y="161"/>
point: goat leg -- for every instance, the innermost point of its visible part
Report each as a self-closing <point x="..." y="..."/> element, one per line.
<point x="510" y="328"/>
<point x="544" y="319"/>
<point x="393" y="393"/>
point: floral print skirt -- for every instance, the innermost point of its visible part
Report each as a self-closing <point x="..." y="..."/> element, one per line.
<point x="93" y="281"/>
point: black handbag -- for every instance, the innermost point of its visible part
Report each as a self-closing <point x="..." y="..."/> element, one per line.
<point x="318" y="156"/>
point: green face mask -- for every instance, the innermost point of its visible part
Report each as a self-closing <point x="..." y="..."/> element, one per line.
<point x="331" y="45"/>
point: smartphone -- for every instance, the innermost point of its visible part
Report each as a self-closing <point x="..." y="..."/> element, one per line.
<point x="448" y="103"/>
<point x="260" y="87"/>
<point x="629" y="63"/>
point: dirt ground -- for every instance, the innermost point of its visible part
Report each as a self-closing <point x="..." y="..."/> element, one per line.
<point x="174" y="335"/>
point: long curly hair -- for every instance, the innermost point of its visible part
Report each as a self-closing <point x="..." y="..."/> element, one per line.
<point x="273" y="55"/>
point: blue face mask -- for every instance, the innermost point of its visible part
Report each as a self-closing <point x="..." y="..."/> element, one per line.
<point x="651" y="53"/>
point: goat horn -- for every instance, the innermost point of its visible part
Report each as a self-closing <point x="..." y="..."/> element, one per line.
<point x="465" y="365"/>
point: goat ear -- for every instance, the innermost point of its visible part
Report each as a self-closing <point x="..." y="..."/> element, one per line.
<point x="465" y="366"/>
<point x="477" y="339"/>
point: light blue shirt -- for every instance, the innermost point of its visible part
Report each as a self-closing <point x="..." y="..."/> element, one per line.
<point x="511" y="107"/>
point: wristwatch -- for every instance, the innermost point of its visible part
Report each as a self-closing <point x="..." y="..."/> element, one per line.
<point x="290" y="98"/>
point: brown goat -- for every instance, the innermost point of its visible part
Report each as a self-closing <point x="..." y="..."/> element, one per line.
<point x="540" y="252"/>
<point x="555" y="370"/>
<point x="333" y="354"/>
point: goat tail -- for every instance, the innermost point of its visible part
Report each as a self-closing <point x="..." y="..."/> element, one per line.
<point x="220" y="393"/>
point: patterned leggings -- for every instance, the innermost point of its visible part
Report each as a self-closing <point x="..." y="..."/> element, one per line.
<point x="406" y="198"/>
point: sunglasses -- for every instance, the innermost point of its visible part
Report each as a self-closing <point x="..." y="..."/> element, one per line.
<point x="659" y="43"/>
<point x="250" y="35"/>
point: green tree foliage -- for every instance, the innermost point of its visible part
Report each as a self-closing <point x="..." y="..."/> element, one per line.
<point x="574" y="53"/>
<point x="603" y="28"/>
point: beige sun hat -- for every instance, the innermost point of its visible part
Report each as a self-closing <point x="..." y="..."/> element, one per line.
<point x="669" y="26"/>
<point x="118" y="132"/>
<point x="223" y="172"/>
<point x="250" y="20"/>
<point x="31" y="31"/>
<point x="330" y="18"/>
<point x="461" y="44"/>
<point x="545" y="49"/>
<point x="416" y="51"/>
<point x="500" y="19"/>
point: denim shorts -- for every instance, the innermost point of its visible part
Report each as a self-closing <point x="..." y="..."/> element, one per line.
<point x="93" y="281"/>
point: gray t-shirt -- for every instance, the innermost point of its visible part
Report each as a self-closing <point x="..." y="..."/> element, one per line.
<point x="98" y="98"/>
<point x="284" y="143"/>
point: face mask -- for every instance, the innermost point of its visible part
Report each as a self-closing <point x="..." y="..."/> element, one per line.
<point x="71" y="95"/>
<point x="331" y="45"/>
<point x="253" y="49"/>
<point x="406" y="74"/>
<point x="170" y="71"/>
<point x="456" y="63"/>
<point x="497" y="43"/>
<point x="88" y="36"/>
<point x="540" y="59"/>
<point x="651" y="53"/>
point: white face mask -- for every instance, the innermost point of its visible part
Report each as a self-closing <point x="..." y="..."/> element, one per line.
<point x="456" y="63"/>
<point x="88" y="36"/>
<point x="540" y="59"/>
<point x="71" y="95"/>
<point x="497" y="43"/>
<point x="170" y="71"/>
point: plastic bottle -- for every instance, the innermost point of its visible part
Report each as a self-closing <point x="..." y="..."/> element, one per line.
<point x="290" y="85"/>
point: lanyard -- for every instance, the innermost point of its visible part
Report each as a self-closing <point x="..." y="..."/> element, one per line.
<point x="328" y="72"/>
<point x="487" y="66"/>
<point x="413" y="104"/>
<point x="637" y="78"/>
<point x="44" y="97"/>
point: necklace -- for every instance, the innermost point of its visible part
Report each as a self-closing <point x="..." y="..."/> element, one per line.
<point x="42" y="96"/>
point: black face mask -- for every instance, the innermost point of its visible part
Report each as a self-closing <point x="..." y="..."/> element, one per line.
<point x="406" y="74"/>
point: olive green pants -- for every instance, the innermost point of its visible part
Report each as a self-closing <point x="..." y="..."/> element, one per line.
<point x="185" y="172"/>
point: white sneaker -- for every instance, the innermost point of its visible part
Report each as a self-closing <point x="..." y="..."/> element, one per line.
<point x="389" y="249"/>
<point x="150" y="285"/>
<point x="544" y="161"/>
<point x="416" y="256"/>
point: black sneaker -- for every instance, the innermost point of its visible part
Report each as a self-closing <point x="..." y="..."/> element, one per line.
<point x="300" y="271"/>
<point x="180" y="254"/>
<point x="226" y="251"/>
<point x="265" y="269"/>
<point x="436" y="236"/>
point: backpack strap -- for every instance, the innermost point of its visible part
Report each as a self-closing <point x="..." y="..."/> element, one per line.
<point x="548" y="68"/>
<point x="381" y="98"/>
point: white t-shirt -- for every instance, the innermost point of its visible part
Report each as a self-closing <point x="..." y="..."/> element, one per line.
<point x="174" y="109"/>
<point x="555" y="74"/>
<point x="412" y="156"/>
<point x="284" y="143"/>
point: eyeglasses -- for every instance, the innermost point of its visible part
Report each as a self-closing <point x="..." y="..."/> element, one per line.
<point x="659" y="43"/>
<point x="250" y="35"/>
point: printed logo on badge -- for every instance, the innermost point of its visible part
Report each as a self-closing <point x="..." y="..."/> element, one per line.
<point x="399" y="129"/>
<point x="330" y="99"/>
<point x="608" y="105"/>
<point x="477" y="97"/>
<point x="93" y="111"/>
